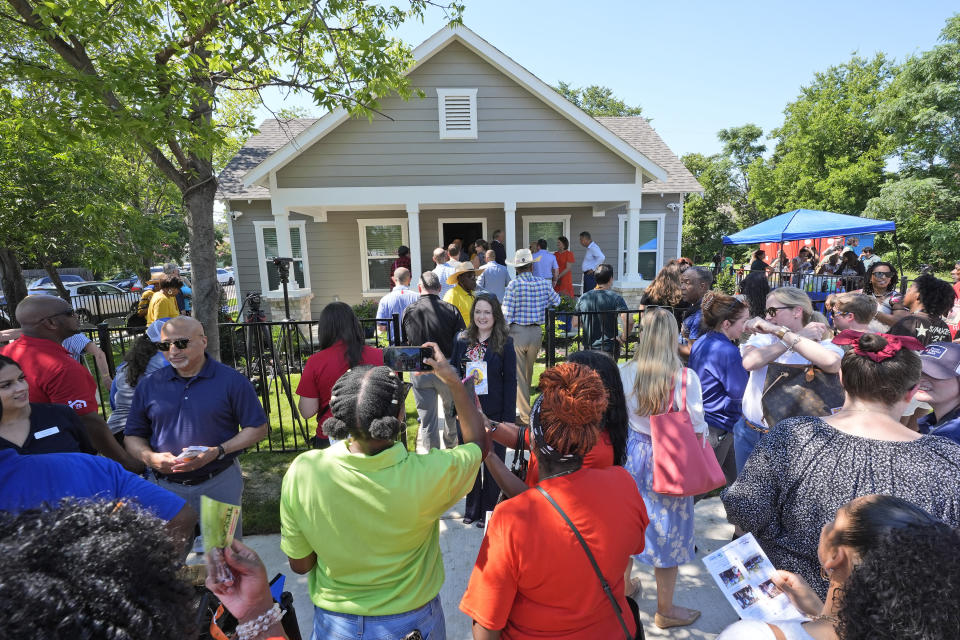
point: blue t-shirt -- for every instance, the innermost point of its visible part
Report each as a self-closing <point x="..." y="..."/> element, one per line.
<point x="948" y="427"/>
<point x="30" y="482"/>
<point x="174" y="412"/>
<point x="723" y="379"/>
<point x="600" y="329"/>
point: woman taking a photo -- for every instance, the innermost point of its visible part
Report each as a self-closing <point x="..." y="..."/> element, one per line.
<point x="340" y="340"/>
<point x="889" y="565"/>
<point x="716" y="360"/>
<point x="808" y="467"/>
<point x="32" y="427"/>
<point x="788" y="336"/>
<point x="652" y="381"/>
<point x="532" y="577"/>
<point x="486" y="348"/>
<point x="880" y="281"/>
<point x="361" y="517"/>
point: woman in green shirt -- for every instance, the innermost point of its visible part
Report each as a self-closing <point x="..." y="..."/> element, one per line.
<point x="362" y="517"/>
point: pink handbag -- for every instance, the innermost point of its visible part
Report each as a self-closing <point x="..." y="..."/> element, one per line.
<point x="683" y="464"/>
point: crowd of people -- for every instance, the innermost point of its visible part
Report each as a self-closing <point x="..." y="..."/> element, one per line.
<point x="838" y="436"/>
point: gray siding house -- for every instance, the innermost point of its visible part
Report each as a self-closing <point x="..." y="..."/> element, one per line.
<point x="489" y="147"/>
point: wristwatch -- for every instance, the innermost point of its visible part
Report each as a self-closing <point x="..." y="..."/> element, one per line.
<point x="222" y="451"/>
<point x="782" y="331"/>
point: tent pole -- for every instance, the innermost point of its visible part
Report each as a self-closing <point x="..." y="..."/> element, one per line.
<point x="780" y="268"/>
<point x="896" y="243"/>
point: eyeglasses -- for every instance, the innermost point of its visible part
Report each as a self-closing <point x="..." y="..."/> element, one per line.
<point x="65" y="312"/>
<point x="772" y="311"/>
<point x="179" y="344"/>
<point x="882" y="274"/>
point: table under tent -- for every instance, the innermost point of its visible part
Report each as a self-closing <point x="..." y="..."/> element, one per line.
<point x="804" y="224"/>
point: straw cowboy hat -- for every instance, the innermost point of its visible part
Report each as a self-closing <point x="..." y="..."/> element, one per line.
<point x="522" y="258"/>
<point x="462" y="268"/>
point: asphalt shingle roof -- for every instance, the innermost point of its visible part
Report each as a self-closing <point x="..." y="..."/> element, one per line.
<point x="635" y="131"/>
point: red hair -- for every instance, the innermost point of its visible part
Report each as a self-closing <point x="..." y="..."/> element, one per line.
<point x="574" y="401"/>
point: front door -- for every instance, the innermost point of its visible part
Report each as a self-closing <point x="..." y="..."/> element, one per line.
<point x="469" y="232"/>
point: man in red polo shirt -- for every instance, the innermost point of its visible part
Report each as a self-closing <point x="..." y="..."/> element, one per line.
<point x="54" y="376"/>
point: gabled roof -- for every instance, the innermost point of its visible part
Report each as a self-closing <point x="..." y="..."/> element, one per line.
<point x="274" y="134"/>
<point x="436" y="43"/>
<point x="638" y="133"/>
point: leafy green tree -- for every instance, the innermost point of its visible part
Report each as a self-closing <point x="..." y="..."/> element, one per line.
<point x="597" y="100"/>
<point x="152" y="72"/>
<point x="830" y="151"/>
<point x="743" y="146"/>
<point x="923" y="110"/>
<point x="925" y="211"/>
<point x="710" y="216"/>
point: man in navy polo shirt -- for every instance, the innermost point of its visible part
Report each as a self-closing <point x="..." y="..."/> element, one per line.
<point x="940" y="387"/>
<point x="31" y="482"/>
<point x="195" y="402"/>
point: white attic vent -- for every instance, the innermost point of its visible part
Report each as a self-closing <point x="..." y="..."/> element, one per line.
<point x="458" y="114"/>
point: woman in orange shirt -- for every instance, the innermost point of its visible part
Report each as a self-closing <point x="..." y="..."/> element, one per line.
<point x="564" y="260"/>
<point x="515" y="591"/>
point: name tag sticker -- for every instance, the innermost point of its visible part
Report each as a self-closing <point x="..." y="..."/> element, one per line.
<point x="46" y="432"/>
<point x="478" y="370"/>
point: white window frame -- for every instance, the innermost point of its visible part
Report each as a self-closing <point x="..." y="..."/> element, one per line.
<point x="457" y="134"/>
<point x="442" y="221"/>
<point x="259" y="226"/>
<point x="525" y="220"/>
<point x="661" y="219"/>
<point x="362" y="224"/>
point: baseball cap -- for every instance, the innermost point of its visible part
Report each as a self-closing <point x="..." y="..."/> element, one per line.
<point x="941" y="360"/>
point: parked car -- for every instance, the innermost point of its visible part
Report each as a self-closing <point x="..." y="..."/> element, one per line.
<point x="96" y="301"/>
<point x="126" y="280"/>
<point x="224" y="277"/>
<point x="45" y="280"/>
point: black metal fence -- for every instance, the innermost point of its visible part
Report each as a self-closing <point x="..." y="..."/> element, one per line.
<point x="271" y="355"/>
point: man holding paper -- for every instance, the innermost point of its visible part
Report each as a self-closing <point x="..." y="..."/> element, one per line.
<point x="189" y="422"/>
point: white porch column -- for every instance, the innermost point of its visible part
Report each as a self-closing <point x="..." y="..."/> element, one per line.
<point x="510" y="229"/>
<point x="281" y="219"/>
<point x="632" y="243"/>
<point x="413" y="233"/>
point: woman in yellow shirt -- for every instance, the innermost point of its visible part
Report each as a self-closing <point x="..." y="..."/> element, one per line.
<point x="163" y="304"/>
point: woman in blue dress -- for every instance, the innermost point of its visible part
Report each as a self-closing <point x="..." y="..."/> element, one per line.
<point x="652" y="384"/>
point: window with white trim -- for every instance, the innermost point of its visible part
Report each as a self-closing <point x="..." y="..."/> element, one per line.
<point x="379" y="241"/>
<point x="457" y="114"/>
<point x="266" y="234"/>
<point x="548" y="227"/>
<point x="649" y="261"/>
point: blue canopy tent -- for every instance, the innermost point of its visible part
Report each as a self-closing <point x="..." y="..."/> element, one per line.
<point x="803" y="224"/>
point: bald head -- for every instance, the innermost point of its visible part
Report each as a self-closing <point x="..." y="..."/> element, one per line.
<point x="47" y="317"/>
<point x="181" y="326"/>
<point x="33" y="309"/>
<point x="439" y="255"/>
<point x="402" y="275"/>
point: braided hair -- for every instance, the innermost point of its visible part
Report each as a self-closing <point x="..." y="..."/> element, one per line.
<point x="365" y="403"/>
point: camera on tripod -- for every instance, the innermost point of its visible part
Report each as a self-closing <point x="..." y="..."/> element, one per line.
<point x="283" y="268"/>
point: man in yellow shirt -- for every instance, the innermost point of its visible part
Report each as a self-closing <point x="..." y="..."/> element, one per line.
<point x="163" y="304"/>
<point x="461" y="296"/>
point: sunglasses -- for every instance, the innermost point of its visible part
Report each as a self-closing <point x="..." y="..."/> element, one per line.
<point x="179" y="344"/>
<point x="65" y="312"/>
<point x="772" y="311"/>
<point x="882" y="274"/>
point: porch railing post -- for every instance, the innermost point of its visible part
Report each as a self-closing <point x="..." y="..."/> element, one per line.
<point x="103" y="335"/>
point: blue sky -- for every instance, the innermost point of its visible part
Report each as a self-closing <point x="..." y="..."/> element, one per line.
<point x="694" y="67"/>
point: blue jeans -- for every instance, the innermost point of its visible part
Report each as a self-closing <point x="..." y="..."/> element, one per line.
<point x="343" y="626"/>
<point x="744" y="440"/>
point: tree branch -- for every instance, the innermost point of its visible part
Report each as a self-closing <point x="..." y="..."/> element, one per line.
<point x="188" y="42"/>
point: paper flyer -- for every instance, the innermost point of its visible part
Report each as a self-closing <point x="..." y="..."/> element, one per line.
<point x="478" y="371"/>
<point x="218" y="522"/>
<point x="745" y="576"/>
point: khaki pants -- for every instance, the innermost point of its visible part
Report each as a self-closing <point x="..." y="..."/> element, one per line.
<point x="526" y="342"/>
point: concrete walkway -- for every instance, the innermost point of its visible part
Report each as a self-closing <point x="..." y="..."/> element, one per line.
<point x="460" y="543"/>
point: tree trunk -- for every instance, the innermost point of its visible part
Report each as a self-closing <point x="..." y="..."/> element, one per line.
<point x="198" y="199"/>
<point x="11" y="281"/>
<point x="55" y="277"/>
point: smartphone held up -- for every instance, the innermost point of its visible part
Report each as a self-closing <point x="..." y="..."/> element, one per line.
<point x="407" y="358"/>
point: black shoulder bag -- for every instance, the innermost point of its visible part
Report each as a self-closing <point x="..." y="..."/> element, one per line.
<point x="518" y="466"/>
<point x="603" y="581"/>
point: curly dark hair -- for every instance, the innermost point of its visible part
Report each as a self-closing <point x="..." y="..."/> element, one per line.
<point x="137" y="357"/>
<point x="868" y="277"/>
<point x="615" y="417"/>
<point x="936" y="295"/>
<point x="571" y="407"/>
<point x="90" y="570"/>
<point x="364" y="403"/>
<point x="902" y="587"/>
